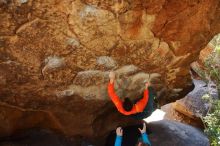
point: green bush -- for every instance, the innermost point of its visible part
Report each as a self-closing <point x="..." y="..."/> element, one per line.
<point x="212" y="65"/>
<point x="212" y="121"/>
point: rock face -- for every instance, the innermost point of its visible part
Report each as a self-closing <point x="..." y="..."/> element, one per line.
<point x="192" y="107"/>
<point x="178" y="112"/>
<point x="55" y="57"/>
<point x="176" y="134"/>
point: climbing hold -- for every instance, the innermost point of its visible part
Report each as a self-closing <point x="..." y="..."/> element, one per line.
<point x="88" y="11"/>
<point x="73" y="42"/>
<point x="107" y="62"/>
<point x="53" y="62"/>
<point x="23" y="1"/>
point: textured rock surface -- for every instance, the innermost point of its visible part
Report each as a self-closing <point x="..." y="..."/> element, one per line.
<point x="191" y="108"/>
<point x="178" y="112"/>
<point x="176" y="134"/>
<point x="55" y="57"/>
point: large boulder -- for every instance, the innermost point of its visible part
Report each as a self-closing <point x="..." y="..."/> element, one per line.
<point x="55" y="57"/>
<point x="172" y="133"/>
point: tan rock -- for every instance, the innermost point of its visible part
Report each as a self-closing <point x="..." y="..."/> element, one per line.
<point x="136" y="39"/>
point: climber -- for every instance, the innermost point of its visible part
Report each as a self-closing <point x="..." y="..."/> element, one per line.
<point x="127" y="107"/>
<point x="144" y="142"/>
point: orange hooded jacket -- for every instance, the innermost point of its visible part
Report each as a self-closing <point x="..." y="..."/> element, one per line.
<point x="137" y="108"/>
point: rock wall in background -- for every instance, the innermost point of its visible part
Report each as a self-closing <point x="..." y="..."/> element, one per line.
<point x="194" y="106"/>
<point x="55" y="57"/>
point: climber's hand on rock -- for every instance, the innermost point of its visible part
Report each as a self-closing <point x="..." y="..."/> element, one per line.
<point x="112" y="76"/>
<point x="147" y="84"/>
<point x="144" y="129"/>
<point x="119" y="131"/>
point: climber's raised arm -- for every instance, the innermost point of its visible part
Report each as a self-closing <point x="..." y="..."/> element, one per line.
<point x="141" y="104"/>
<point x="111" y="92"/>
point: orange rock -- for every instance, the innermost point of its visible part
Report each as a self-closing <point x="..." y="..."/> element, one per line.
<point x="71" y="95"/>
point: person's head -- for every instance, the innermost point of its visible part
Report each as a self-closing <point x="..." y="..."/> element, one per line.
<point x="127" y="104"/>
<point x="142" y="144"/>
